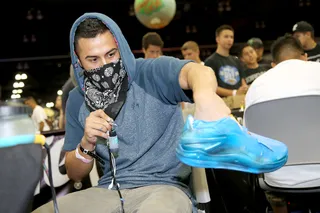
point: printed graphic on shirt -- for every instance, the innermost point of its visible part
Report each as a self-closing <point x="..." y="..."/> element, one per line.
<point x="253" y="77"/>
<point x="315" y="58"/>
<point x="314" y="54"/>
<point x="253" y="74"/>
<point x="229" y="74"/>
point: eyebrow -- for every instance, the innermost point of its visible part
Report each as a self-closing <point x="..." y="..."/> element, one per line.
<point x="93" y="56"/>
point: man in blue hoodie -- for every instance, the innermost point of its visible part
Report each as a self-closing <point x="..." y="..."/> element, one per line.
<point x="137" y="102"/>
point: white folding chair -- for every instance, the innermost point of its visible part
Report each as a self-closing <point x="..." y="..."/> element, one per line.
<point x="296" y="122"/>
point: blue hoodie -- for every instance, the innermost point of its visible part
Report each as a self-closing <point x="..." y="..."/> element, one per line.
<point x="149" y="124"/>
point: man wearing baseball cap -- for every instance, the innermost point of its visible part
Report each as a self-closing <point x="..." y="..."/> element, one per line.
<point x="305" y="33"/>
<point x="257" y="45"/>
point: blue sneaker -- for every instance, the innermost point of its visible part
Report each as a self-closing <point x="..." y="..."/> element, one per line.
<point x="224" y="144"/>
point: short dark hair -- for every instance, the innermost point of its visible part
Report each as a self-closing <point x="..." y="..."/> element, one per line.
<point x="89" y="28"/>
<point x="222" y="28"/>
<point x="286" y="47"/>
<point x="152" y="38"/>
<point x="29" y="98"/>
<point x="242" y="47"/>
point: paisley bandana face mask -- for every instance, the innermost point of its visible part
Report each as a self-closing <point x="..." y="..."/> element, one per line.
<point x="106" y="88"/>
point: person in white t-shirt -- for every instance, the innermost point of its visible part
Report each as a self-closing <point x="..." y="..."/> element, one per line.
<point x="38" y="116"/>
<point x="291" y="76"/>
<point x="190" y="51"/>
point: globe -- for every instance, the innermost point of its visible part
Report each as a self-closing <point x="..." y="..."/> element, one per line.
<point x="155" y="14"/>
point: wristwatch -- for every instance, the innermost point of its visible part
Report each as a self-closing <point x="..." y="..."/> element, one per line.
<point x="91" y="153"/>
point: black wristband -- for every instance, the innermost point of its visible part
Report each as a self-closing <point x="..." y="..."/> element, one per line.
<point x="91" y="153"/>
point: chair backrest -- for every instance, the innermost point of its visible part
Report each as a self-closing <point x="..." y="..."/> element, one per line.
<point x="294" y="121"/>
<point x="21" y="170"/>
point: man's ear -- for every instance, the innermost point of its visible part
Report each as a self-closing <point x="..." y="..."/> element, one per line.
<point x="273" y="64"/>
<point x="241" y="58"/>
<point x="80" y="64"/>
<point x="304" y="57"/>
<point x="308" y="34"/>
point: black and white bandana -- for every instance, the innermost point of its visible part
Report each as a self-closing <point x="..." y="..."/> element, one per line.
<point x="106" y="88"/>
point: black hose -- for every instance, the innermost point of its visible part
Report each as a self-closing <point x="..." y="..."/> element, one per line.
<point x="54" y="196"/>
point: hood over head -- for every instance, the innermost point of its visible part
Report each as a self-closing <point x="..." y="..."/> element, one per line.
<point x="126" y="55"/>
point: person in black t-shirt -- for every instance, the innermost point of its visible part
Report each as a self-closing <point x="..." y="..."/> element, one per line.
<point x="253" y="70"/>
<point x="262" y="58"/>
<point x="152" y="45"/>
<point x="305" y="33"/>
<point x="228" y="68"/>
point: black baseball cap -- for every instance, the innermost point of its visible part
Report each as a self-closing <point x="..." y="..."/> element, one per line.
<point x="302" y="26"/>
<point x="255" y="43"/>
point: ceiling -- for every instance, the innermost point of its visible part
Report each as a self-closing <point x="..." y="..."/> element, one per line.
<point x="48" y="57"/>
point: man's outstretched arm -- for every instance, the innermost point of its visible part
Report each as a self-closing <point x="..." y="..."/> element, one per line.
<point x="202" y="81"/>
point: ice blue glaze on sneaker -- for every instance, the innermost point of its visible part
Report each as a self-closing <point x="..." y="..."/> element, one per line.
<point x="224" y="144"/>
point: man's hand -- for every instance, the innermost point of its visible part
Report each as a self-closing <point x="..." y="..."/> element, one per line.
<point x="242" y="90"/>
<point x="97" y="125"/>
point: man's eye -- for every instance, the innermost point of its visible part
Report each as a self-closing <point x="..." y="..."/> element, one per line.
<point x="111" y="54"/>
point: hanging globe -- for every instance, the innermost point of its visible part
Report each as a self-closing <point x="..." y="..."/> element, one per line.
<point x="155" y="14"/>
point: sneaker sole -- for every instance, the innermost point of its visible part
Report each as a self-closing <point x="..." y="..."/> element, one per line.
<point x="238" y="162"/>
